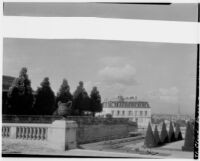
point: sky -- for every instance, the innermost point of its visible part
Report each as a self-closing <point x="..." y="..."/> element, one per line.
<point x="164" y="74"/>
<point x="161" y="73"/>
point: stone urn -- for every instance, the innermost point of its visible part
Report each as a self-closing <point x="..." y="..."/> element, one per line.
<point x="64" y="108"/>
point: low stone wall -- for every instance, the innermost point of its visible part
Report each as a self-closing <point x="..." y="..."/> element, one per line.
<point x="93" y="129"/>
<point x="60" y="135"/>
<point x="101" y="132"/>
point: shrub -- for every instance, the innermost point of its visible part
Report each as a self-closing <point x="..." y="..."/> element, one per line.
<point x="108" y="115"/>
<point x="189" y="138"/>
<point x="171" y="133"/>
<point x="156" y="136"/>
<point x="178" y="134"/>
<point x="149" y="138"/>
<point x="164" y="134"/>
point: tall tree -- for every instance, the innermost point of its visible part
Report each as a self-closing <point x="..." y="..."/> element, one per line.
<point x="156" y="136"/>
<point x="64" y="94"/>
<point x="149" y="138"/>
<point x="45" y="99"/>
<point x="164" y="134"/>
<point x="81" y="100"/>
<point x="20" y="96"/>
<point x="171" y="133"/>
<point x="64" y="99"/>
<point x="95" y="101"/>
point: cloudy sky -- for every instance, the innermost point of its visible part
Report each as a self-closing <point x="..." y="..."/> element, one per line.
<point x="162" y="73"/>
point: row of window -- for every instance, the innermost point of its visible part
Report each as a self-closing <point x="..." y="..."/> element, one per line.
<point x="128" y="104"/>
<point x="129" y="113"/>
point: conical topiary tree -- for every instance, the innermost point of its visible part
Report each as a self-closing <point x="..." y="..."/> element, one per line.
<point x="164" y="134"/>
<point x="171" y="133"/>
<point x="156" y="136"/>
<point x="189" y="138"/>
<point x="45" y="99"/>
<point x="149" y="138"/>
<point x="178" y="134"/>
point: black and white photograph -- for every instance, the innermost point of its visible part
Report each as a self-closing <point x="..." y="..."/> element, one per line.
<point x="100" y="79"/>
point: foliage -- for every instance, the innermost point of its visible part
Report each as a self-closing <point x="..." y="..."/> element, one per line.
<point x="156" y="136"/>
<point x="149" y="138"/>
<point x="164" y="134"/>
<point x="189" y="138"/>
<point x="95" y="101"/>
<point x="108" y="115"/>
<point x="45" y="99"/>
<point x="171" y="133"/>
<point x="81" y="100"/>
<point x="64" y="99"/>
<point x="178" y="134"/>
<point x="20" y="97"/>
<point x="64" y="94"/>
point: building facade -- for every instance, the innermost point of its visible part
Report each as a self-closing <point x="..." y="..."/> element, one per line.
<point x="131" y="108"/>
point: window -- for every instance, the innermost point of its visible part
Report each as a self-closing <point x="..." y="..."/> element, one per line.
<point x="145" y="113"/>
<point x="112" y="112"/>
<point x="130" y="113"/>
<point x="118" y="112"/>
<point x="113" y="104"/>
<point x="123" y="113"/>
<point x="141" y="113"/>
<point x="135" y="113"/>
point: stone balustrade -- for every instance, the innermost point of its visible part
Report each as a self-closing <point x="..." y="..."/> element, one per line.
<point x="60" y="135"/>
<point x="35" y="133"/>
<point x="6" y="131"/>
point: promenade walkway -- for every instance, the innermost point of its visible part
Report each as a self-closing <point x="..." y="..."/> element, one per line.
<point x="100" y="149"/>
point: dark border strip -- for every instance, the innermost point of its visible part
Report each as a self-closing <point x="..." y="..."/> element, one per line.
<point x="61" y="156"/>
<point x="139" y="3"/>
<point x="196" y="127"/>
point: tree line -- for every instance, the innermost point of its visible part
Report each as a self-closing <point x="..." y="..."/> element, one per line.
<point x="23" y="101"/>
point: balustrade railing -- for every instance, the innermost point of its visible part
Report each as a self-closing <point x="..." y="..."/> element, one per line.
<point x="31" y="133"/>
<point x="59" y="135"/>
<point x="5" y="131"/>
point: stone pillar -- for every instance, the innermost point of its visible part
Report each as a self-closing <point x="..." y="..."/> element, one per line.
<point x="13" y="132"/>
<point x="62" y="135"/>
<point x="71" y="133"/>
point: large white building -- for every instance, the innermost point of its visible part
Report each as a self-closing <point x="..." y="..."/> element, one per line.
<point x="120" y="107"/>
